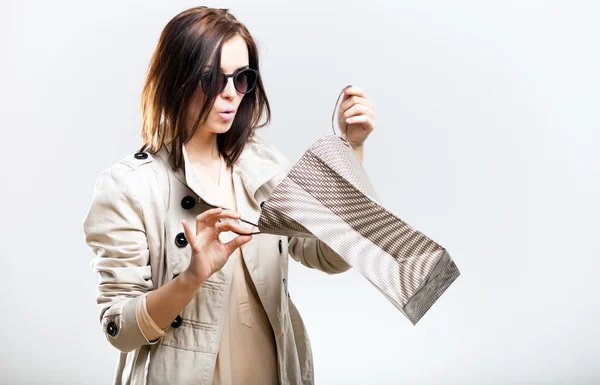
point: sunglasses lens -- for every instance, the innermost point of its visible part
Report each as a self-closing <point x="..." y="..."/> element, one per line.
<point x="207" y="83"/>
<point x="245" y="81"/>
<point x="221" y="83"/>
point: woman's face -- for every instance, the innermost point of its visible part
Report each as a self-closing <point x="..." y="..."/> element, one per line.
<point x="234" y="55"/>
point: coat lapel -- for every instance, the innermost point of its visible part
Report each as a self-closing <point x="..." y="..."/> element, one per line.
<point x="258" y="166"/>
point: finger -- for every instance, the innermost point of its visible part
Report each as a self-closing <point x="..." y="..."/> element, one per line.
<point x="351" y="101"/>
<point x="237" y="242"/>
<point x="189" y="234"/>
<point x="232" y="226"/>
<point x="201" y="218"/>
<point x="367" y="122"/>
<point x="355" y="91"/>
<point x="359" y="109"/>
<point x="216" y="211"/>
<point x="211" y="215"/>
<point x="213" y="219"/>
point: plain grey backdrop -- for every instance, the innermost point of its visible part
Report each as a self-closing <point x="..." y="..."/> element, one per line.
<point x="487" y="140"/>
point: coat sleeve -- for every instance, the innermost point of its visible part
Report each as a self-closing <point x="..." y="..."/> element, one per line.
<point x="114" y="231"/>
<point x="314" y="253"/>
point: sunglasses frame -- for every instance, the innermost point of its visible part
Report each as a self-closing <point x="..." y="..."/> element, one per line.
<point x="234" y="76"/>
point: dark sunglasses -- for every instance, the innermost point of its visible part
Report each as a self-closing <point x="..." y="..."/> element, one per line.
<point x="244" y="81"/>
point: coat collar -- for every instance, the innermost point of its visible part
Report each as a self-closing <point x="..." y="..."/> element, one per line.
<point x="258" y="163"/>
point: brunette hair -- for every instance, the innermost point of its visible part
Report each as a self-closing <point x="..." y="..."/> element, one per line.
<point x="184" y="49"/>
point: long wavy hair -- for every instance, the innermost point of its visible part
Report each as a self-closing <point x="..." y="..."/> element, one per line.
<point x="185" y="48"/>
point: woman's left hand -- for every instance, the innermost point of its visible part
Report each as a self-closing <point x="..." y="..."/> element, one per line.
<point x="358" y="112"/>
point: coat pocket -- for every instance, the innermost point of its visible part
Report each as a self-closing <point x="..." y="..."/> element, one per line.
<point x="196" y="327"/>
<point x="192" y="335"/>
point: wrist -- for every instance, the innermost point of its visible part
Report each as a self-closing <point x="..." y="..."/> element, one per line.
<point x="359" y="150"/>
<point x="189" y="278"/>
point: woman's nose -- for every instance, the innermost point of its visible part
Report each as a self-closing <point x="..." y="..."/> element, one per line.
<point x="229" y="90"/>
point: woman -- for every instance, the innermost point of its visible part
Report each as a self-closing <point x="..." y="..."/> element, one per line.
<point x="187" y="294"/>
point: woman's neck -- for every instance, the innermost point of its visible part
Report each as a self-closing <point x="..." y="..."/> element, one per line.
<point x="203" y="147"/>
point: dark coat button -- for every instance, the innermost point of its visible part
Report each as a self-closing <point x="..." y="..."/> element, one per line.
<point x="176" y="323"/>
<point x="180" y="240"/>
<point x="280" y="246"/>
<point x="112" y="329"/>
<point x="140" y="155"/>
<point x="261" y="204"/>
<point x="188" y="202"/>
<point x="285" y="285"/>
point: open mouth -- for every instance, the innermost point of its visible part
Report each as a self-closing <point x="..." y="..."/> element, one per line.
<point x="227" y="115"/>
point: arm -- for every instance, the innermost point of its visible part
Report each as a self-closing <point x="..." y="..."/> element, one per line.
<point x="313" y="253"/>
<point x="115" y="231"/>
<point x="360" y="152"/>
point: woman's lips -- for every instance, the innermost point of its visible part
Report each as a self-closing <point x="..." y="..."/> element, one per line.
<point x="227" y="115"/>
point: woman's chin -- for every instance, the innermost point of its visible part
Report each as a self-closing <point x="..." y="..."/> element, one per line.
<point x="220" y="128"/>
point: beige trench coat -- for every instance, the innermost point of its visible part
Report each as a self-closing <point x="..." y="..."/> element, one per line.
<point x="134" y="229"/>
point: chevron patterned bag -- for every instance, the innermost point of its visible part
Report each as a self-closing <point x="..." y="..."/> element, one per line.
<point x="328" y="195"/>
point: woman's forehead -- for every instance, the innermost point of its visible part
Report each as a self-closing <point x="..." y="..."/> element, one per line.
<point x="234" y="54"/>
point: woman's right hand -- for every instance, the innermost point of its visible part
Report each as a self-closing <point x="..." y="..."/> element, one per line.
<point x="209" y="254"/>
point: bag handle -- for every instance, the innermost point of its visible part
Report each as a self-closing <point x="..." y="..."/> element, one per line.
<point x="335" y="110"/>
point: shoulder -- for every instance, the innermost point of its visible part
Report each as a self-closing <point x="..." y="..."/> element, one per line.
<point x="130" y="176"/>
<point x="136" y="160"/>
<point x="125" y="192"/>
<point x="260" y="149"/>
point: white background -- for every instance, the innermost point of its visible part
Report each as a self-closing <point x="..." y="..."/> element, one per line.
<point x="487" y="140"/>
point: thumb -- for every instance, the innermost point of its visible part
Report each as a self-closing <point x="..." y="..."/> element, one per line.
<point x="237" y="242"/>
